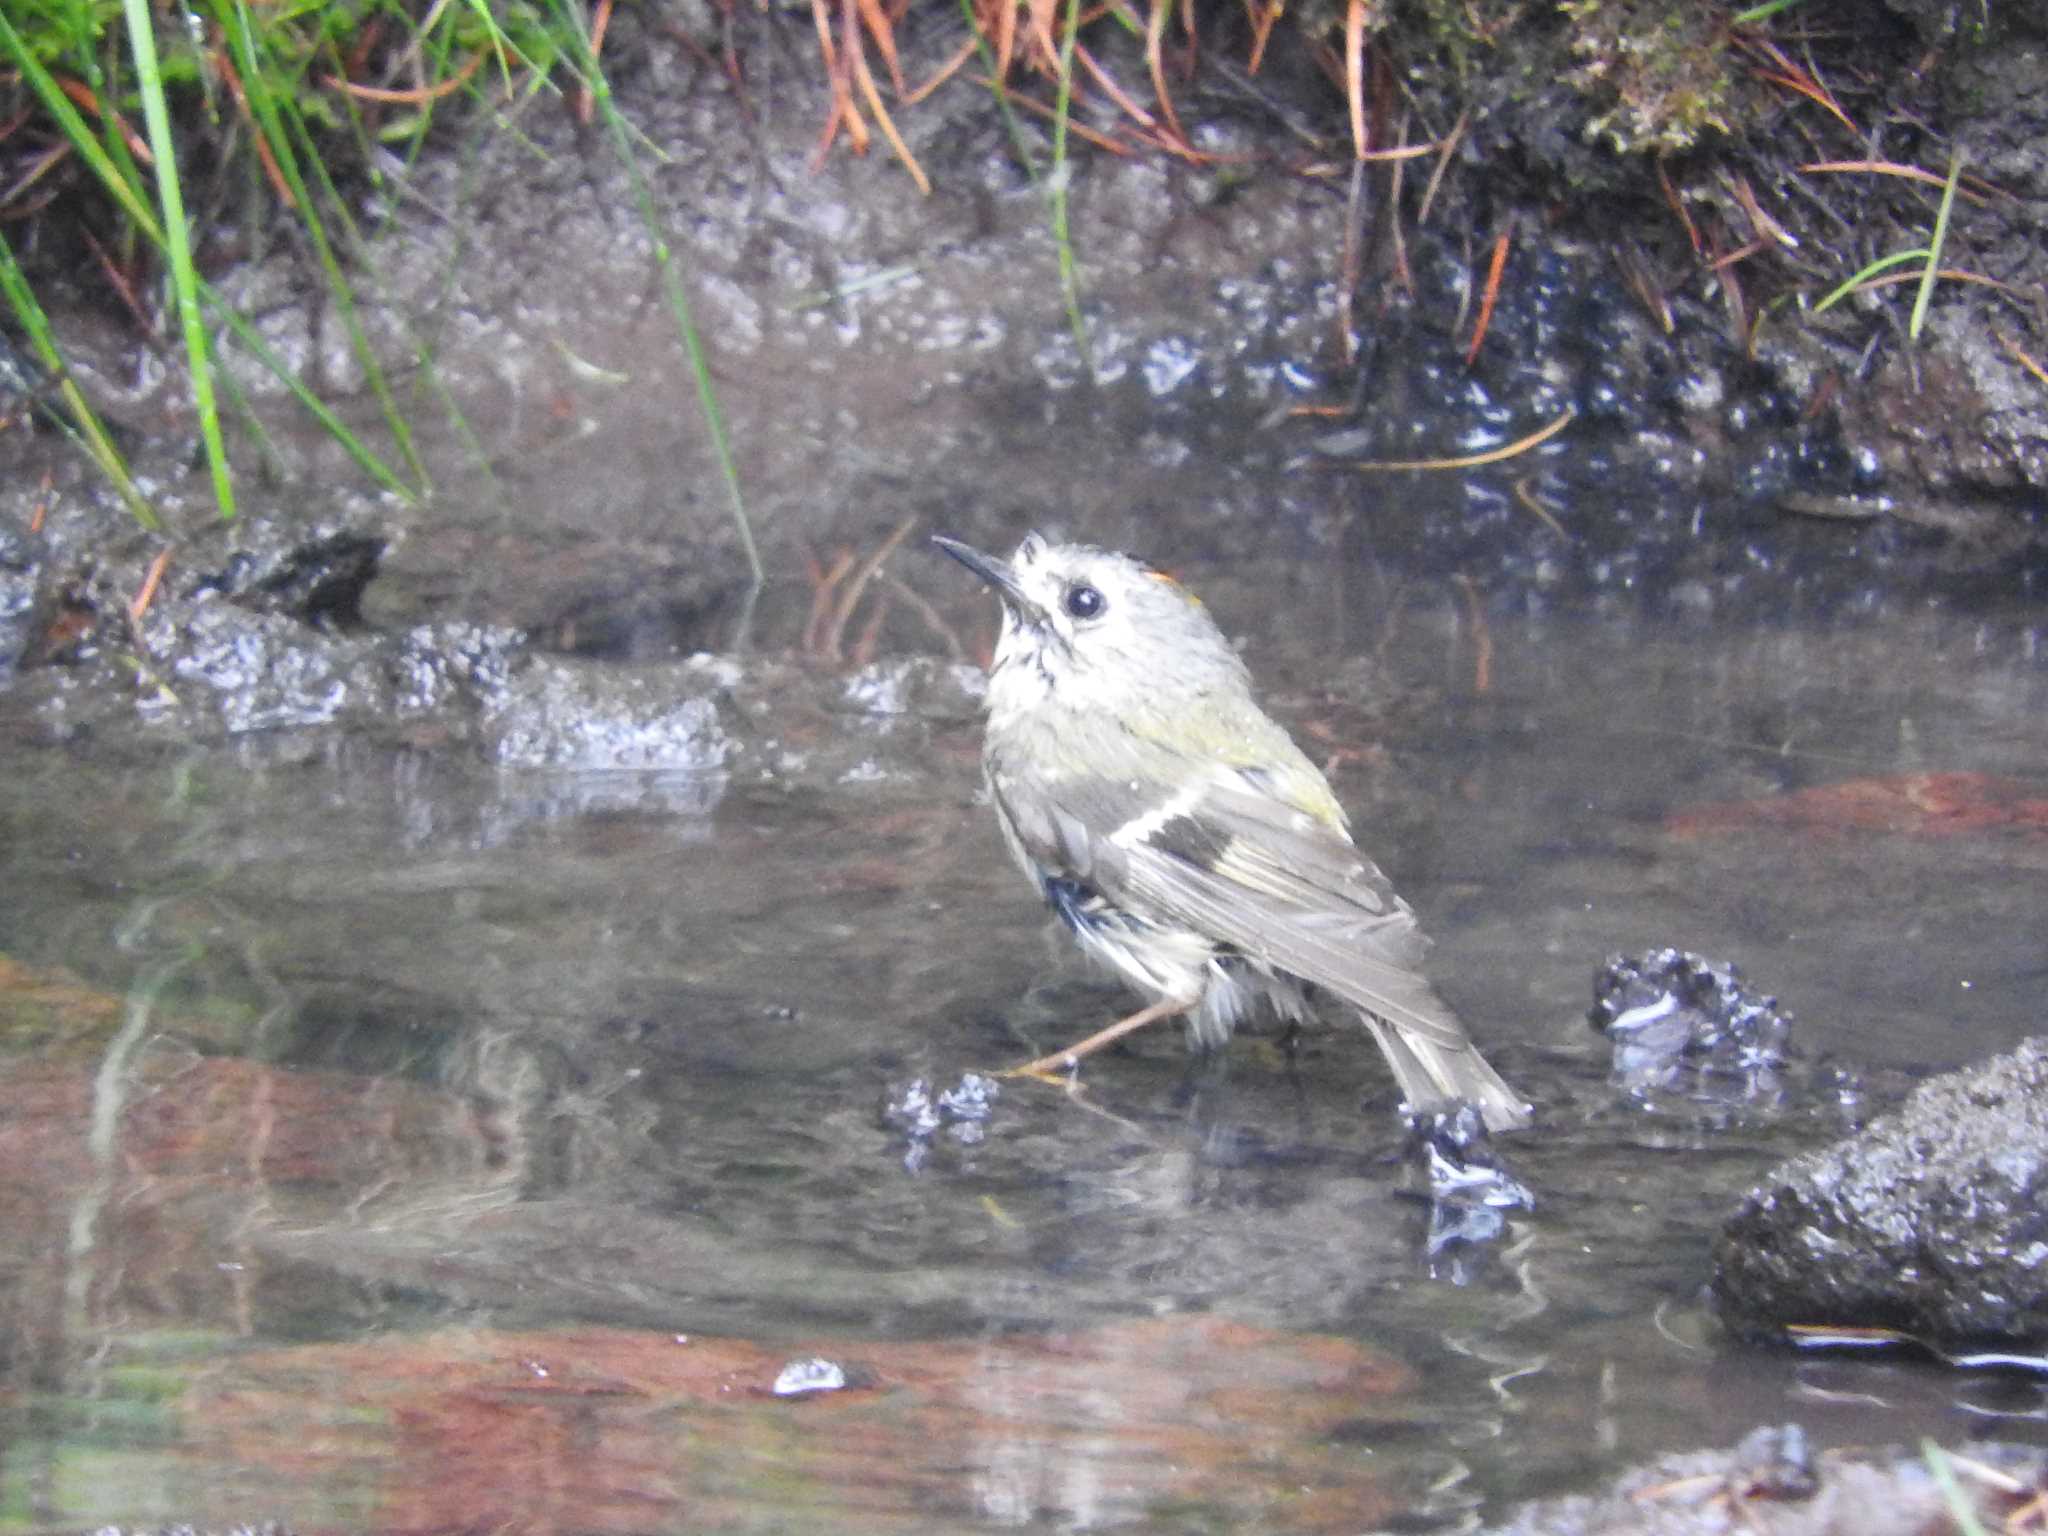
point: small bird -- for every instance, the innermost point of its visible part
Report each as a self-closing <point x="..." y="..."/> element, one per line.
<point x="1181" y="835"/>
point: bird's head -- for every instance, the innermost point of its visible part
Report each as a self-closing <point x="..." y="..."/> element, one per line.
<point x="1089" y="628"/>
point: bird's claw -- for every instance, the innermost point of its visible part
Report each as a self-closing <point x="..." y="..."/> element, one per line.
<point x="1060" y="1071"/>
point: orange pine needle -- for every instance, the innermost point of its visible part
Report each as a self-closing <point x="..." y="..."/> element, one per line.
<point x="42" y="506"/>
<point x="1908" y="172"/>
<point x="857" y="56"/>
<point x="1527" y="496"/>
<point x="1946" y="274"/>
<point x="1742" y="253"/>
<point x="1488" y="295"/>
<point x="1262" y="17"/>
<point x="272" y="171"/>
<point x="823" y="601"/>
<point x="885" y="39"/>
<point x="1783" y="71"/>
<point x="1355" y="16"/>
<point x="146" y="593"/>
<point x="585" y="99"/>
<point x="1677" y="203"/>
<point x="1765" y="227"/>
<point x="2021" y="356"/>
<point x="1812" y="90"/>
<point x="417" y="96"/>
<point x="1006" y="38"/>
<point x="1470" y="460"/>
<point x="1436" y="174"/>
<point x="82" y="95"/>
<point x="1646" y="290"/>
<point x="943" y="73"/>
<point x="1155" y="61"/>
<point x="842" y="113"/>
<point x="1079" y="130"/>
<point x="1041" y="13"/>
<point x="822" y="20"/>
<point x="1113" y="91"/>
<point x="118" y="279"/>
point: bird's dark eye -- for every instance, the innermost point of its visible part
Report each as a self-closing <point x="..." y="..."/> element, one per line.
<point x="1084" y="601"/>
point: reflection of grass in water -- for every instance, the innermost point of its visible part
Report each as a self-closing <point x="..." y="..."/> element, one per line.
<point x="49" y="1012"/>
<point x="115" y="1445"/>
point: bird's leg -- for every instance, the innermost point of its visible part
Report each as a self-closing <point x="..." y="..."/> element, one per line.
<point x="1048" y="1068"/>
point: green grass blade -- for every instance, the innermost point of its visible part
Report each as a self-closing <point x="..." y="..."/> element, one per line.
<point x="1001" y="92"/>
<point x="1851" y="284"/>
<point x="1762" y="12"/>
<point x="283" y="126"/>
<point x="78" y="132"/>
<point x="672" y="284"/>
<point x="35" y="327"/>
<point x="156" y="118"/>
<point x="314" y="406"/>
<point x="1070" y="288"/>
<point x="1062" y="175"/>
<point x="1948" y="201"/>
<point x="502" y="47"/>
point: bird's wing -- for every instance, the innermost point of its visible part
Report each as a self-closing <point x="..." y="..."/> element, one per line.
<point x="1228" y="858"/>
<point x="1287" y="890"/>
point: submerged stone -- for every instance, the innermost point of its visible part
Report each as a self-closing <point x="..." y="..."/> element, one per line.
<point x="561" y="713"/>
<point x="800" y="1378"/>
<point x="1932" y="1220"/>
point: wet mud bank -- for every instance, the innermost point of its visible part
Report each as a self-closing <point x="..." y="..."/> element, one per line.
<point x="1263" y="341"/>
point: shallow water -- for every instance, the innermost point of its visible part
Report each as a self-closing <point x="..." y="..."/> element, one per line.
<point x="386" y="1125"/>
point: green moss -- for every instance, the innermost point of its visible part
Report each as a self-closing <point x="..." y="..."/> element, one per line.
<point x="1658" y="74"/>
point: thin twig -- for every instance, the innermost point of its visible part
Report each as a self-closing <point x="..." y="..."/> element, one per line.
<point x="1528" y="498"/>
<point x="1443" y="161"/>
<point x="1482" y="637"/>
<point x="1470" y="460"/>
<point x="823" y="585"/>
<point x="835" y="632"/>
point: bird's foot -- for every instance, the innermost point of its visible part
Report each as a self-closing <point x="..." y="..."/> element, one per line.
<point x="1062" y="1069"/>
<point x="1063" y="1066"/>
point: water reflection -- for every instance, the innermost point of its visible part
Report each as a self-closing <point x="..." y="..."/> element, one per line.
<point x="323" y="1046"/>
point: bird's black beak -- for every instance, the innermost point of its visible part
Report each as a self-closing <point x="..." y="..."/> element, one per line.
<point x="996" y="573"/>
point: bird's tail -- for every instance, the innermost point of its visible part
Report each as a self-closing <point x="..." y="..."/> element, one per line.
<point x="1434" y="1070"/>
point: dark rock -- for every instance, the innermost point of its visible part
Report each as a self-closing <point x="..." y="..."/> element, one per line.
<point x="1932" y="1220"/>
<point x="320" y="580"/>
